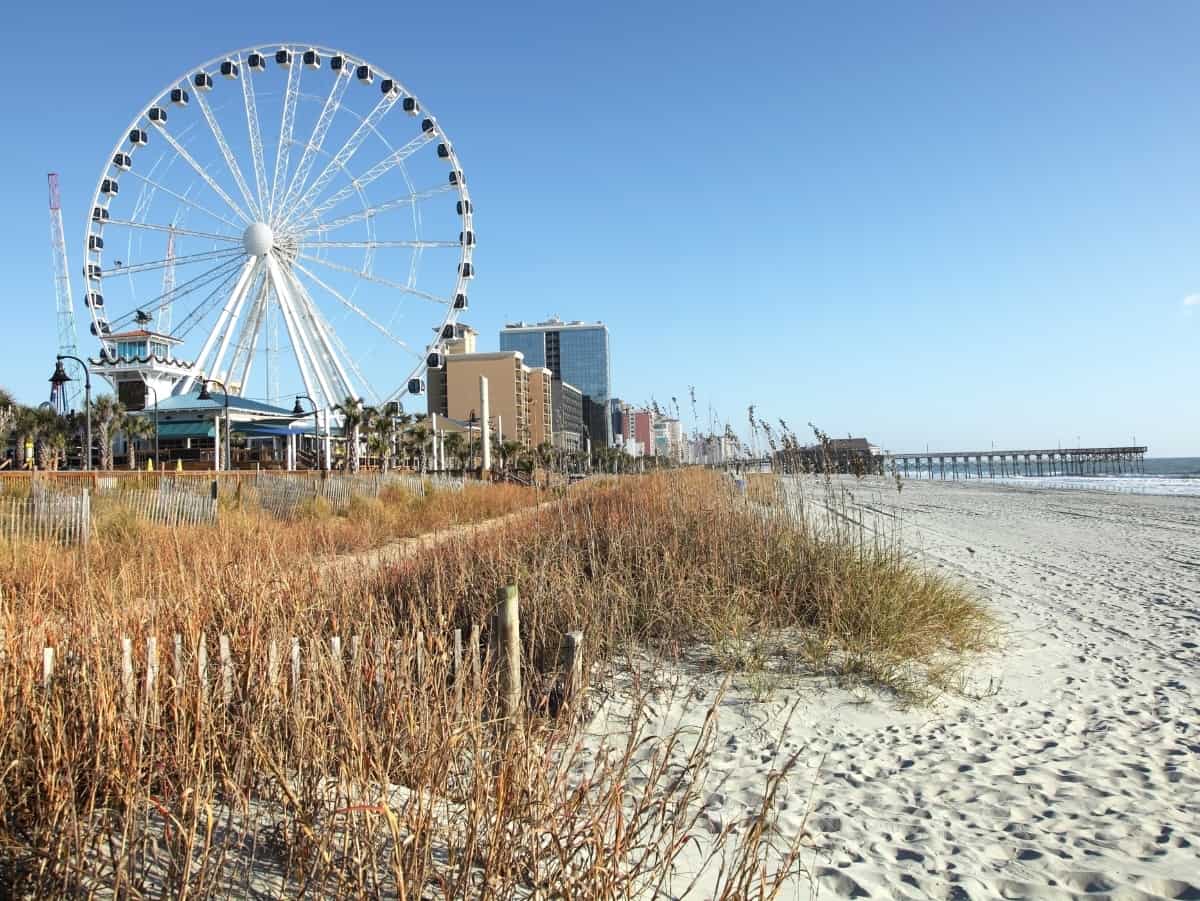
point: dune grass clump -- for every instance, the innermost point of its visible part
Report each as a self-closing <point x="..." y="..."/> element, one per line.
<point x="382" y="770"/>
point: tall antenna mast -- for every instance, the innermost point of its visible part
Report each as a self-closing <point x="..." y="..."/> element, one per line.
<point x="66" y="398"/>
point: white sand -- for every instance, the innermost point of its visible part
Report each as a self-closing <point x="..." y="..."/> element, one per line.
<point x="1077" y="773"/>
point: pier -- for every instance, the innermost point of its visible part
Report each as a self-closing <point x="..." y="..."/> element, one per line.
<point x="1058" y="461"/>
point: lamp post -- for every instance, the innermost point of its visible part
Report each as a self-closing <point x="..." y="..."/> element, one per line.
<point x="204" y="395"/>
<point x="59" y="379"/>
<point x="471" y="420"/>
<point x="154" y="391"/>
<point x="297" y="410"/>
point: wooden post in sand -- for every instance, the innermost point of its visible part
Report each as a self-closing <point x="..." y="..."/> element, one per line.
<point x="508" y="645"/>
<point x="572" y="688"/>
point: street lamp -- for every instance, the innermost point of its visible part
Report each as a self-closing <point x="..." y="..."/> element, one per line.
<point x="59" y="379"/>
<point x="204" y="395"/>
<point x="297" y="410"/>
<point x="154" y="391"/>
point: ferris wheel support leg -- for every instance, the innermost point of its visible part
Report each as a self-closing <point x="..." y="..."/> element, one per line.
<point x="283" y="291"/>
<point x="247" y="340"/>
<point x="230" y="326"/>
<point x="306" y="376"/>
<point x="319" y="329"/>
<point x="239" y="289"/>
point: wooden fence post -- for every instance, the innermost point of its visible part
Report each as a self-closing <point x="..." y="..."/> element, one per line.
<point x="178" y="649"/>
<point x="508" y="644"/>
<point x="152" y="679"/>
<point x="295" y="668"/>
<point x="273" y="668"/>
<point x="355" y="664"/>
<point x="335" y="653"/>
<point x="127" y="675"/>
<point x="573" y="684"/>
<point x="473" y="651"/>
<point x="226" y="671"/>
<point x="47" y="667"/>
<point x="380" y="657"/>
<point x="202" y="668"/>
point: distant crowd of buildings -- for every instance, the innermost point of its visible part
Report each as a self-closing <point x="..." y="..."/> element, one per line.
<point x="551" y="383"/>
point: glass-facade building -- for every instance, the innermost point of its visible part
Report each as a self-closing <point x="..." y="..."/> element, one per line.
<point x="577" y="353"/>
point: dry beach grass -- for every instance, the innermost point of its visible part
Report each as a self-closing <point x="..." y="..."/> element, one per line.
<point x="383" y="770"/>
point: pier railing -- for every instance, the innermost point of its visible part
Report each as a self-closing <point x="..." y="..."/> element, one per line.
<point x="1057" y="461"/>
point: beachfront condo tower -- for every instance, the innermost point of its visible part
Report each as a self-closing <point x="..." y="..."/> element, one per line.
<point x="576" y="352"/>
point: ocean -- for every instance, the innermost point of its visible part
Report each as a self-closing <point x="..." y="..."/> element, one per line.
<point x="1162" y="475"/>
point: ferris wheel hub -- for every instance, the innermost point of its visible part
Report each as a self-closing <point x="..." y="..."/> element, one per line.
<point x="258" y="239"/>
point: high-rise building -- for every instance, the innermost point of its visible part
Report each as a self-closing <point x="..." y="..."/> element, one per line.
<point x="462" y="341"/>
<point x="576" y="352"/>
<point x="508" y="391"/>
<point x="567" y="404"/>
<point x="642" y="430"/>
<point x="541" y="419"/>
<point x="615" y="411"/>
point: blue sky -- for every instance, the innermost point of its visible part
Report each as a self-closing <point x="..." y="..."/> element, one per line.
<point x="942" y="223"/>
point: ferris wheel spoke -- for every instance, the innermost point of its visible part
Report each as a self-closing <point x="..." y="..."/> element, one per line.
<point x="230" y="160"/>
<point x="358" y="311"/>
<point x="256" y="148"/>
<point x="286" y="127"/>
<point x="306" y="373"/>
<point x="326" y="337"/>
<point x="371" y="277"/>
<point x="231" y="326"/>
<point x="208" y="179"/>
<point x="129" y="269"/>
<point x="343" y="156"/>
<point x="349" y="358"/>
<point x="178" y="291"/>
<point x="224" y="280"/>
<point x="375" y="245"/>
<point x="315" y="141"/>
<point x="247" y="343"/>
<point x="172" y="229"/>
<point x="249" y="267"/>
<point x="183" y="199"/>
<point x="300" y="328"/>
<point x="381" y="168"/>
<point x="375" y="210"/>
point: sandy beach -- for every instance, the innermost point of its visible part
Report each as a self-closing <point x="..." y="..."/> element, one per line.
<point x="1070" y="766"/>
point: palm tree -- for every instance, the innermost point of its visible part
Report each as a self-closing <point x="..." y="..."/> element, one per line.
<point x="107" y="415"/>
<point x="8" y="416"/>
<point x="379" y="444"/>
<point x="508" y="453"/>
<point x="25" y="426"/>
<point x="136" y="428"/>
<point x="454" y="447"/>
<point x="47" y="430"/>
<point x="418" y="437"/>
<point x="353" y="418"/>
<point x="380" y="441"/>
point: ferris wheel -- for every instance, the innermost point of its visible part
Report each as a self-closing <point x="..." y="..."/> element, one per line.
<point x="285" y="213"/>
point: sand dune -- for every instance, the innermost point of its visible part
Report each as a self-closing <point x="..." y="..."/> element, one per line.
<point x="1074" y="771"/>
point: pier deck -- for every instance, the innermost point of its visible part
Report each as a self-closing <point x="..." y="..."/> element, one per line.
<point x="1057" y="461"/>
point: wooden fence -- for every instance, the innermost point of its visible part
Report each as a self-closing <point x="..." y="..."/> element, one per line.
<point x="57" y="506"/>
<point x="47" y="516"/>
<point x="297" y="670"/>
